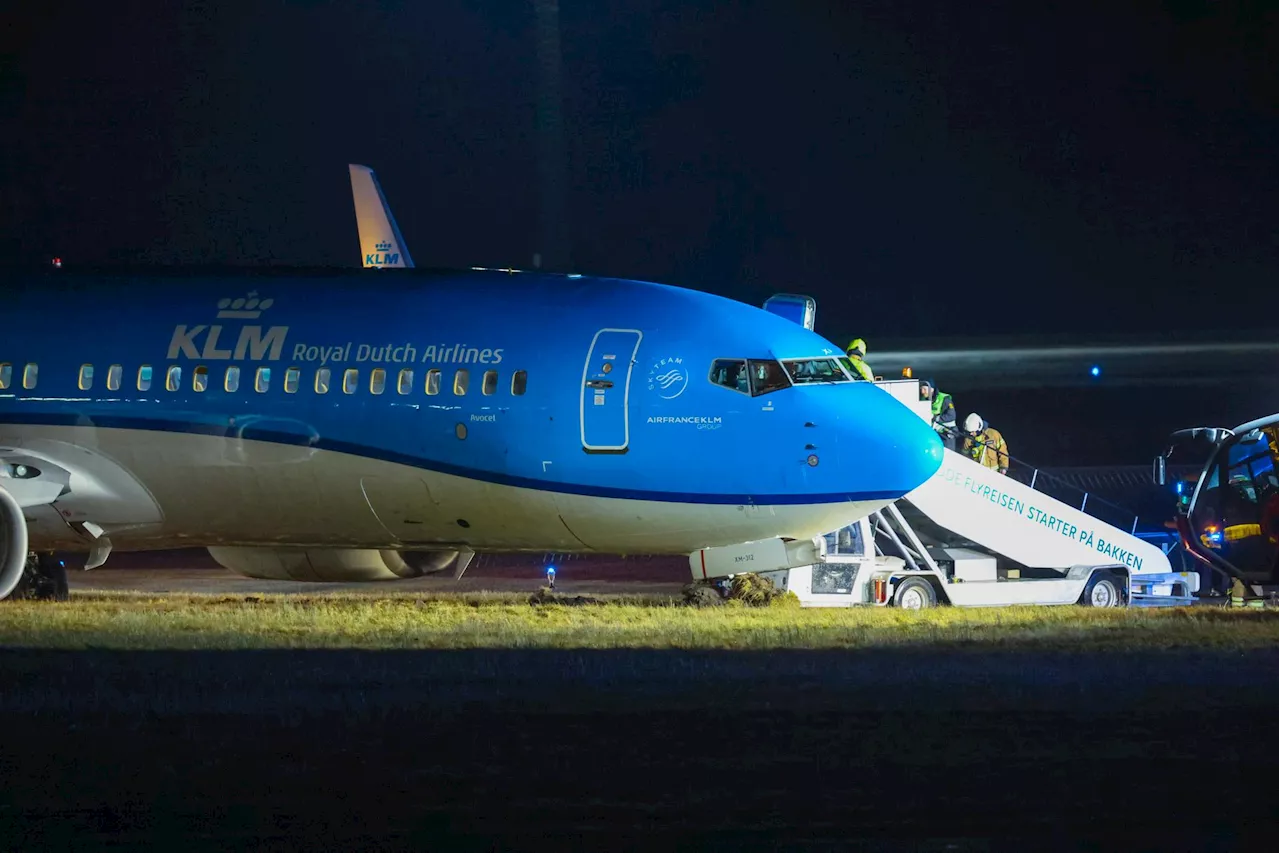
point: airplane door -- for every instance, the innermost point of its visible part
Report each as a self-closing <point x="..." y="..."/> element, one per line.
<point x="606" y="386"/>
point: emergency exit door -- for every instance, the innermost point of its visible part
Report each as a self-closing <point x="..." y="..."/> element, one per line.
<point x="606" y="385"/>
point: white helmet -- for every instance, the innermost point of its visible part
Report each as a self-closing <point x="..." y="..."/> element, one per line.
<point x="973" y="423"/>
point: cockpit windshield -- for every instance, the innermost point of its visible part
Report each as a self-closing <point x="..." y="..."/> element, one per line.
<point x="749" y="376"/>
<point x="807" y="370"/>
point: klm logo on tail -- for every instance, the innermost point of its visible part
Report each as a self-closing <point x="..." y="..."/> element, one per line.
<point x="202" y="342"/>
<point x="382" y="255"/>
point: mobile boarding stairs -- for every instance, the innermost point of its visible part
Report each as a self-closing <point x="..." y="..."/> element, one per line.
<point x="976" y="538"/>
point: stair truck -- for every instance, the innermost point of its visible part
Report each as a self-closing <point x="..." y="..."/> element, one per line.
<point x="968" y="537"/>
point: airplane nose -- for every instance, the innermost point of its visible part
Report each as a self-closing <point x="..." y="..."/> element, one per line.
<point x="884" y="444"/>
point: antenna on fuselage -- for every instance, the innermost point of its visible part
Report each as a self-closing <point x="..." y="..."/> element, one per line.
<point x="380" y="242"/>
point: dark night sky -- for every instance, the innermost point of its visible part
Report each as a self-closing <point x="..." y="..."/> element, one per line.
<point x="918" y="167"/>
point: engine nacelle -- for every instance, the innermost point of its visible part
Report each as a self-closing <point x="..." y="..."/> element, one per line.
<point x="330" y="565"/>
<point x="416" y="564"/>
<point x="13" y="543"/>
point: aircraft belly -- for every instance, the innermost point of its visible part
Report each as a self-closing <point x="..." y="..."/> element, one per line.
<point x="635" y="527"/>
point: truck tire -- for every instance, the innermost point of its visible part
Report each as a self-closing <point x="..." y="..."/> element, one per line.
<point x="915" y="594"/>
<point x="1103" y="590"/>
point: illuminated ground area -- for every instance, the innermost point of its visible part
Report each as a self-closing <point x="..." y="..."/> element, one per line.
<point x="439" y="619"/>
<point x="630" y="727"/>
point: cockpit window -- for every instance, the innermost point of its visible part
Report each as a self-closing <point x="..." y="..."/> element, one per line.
<point x="807" y="370"/>
<point x="749" y="376"/>
<point x="731" y="373"/>
<point x="767" y="376"/>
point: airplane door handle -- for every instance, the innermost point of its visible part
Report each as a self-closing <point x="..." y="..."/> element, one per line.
<point x="599" y="383"/>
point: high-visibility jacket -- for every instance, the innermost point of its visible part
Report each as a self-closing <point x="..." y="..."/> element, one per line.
<point x="944" y="411"/>
<point x="989" y="448"/>
<point x="862" y="368"/>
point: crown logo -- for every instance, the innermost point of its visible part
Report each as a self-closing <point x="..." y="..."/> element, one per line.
<point x="245" y="308"/>
<point x="384" y="246"/>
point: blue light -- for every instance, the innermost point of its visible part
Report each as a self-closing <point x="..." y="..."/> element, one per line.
<point x="1178" y="487"/>
<point x="1095" y="370"/>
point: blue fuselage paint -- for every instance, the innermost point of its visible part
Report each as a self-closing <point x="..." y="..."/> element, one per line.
<point x="616" y="397"/>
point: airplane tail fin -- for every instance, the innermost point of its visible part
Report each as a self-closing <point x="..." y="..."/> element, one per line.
<point x="380" y="242"/>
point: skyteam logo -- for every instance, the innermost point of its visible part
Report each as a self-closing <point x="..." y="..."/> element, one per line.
<point x="669" y="378"/>
<point x="382" y="255"/>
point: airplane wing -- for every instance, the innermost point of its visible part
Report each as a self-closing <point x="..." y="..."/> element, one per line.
<point x="380" y="242"/>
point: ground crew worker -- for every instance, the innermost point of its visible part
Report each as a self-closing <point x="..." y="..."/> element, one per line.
<point x="857" y="351"/>
<point x="944" y="413"/>
<point x="984" y="444"/>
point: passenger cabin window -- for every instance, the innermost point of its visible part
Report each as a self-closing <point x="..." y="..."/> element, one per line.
<point x="173" y="378"/>
<point x="749" y="376"/>
<point x="144" y="377"/>
<point x="86" y="377"/>
<point x="262" y="381"/>
<point x="200" y="378"/>
<point x="490" y="383"/>
<point x="377" y="380"/>
<point x="350" y="379"/>
<point x="461" y="378"/>
<point x="6" y="375"/>
<point x="433" y="381"/>
<point x="322" y="380"/>
<point x="291" y="377"/>
<point x="232" y="381"/>
<point x="519" y="380"/>
<point x="809" y="370"/>
<point x="115" y="375"/>
<point x="404" y="382"/>
<point x="29" y="375"/>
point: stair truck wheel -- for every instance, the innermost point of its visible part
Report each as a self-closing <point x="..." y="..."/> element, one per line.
<point x="915" y="594"/>
<point x="1103" y="590"/>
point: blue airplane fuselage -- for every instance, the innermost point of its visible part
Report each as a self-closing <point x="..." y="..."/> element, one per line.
<point x="491" y="409"/>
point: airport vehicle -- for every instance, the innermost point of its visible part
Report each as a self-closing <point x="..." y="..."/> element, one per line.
<point x="975" y="538"/>
<point x="1227" y="518"/>
<point x="374" y="424"/>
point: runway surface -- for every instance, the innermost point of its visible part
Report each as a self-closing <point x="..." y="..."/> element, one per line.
<point x="194" y="571"/>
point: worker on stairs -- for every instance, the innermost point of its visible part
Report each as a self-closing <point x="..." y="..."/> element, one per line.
<point x="944" y="413"/>
<point x="984" y="444"/>
<point x="857" y="351"/>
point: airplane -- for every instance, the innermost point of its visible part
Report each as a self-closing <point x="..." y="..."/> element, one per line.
<point x="348" y="425"/>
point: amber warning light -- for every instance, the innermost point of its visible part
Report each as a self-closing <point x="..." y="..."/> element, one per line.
<point x="906" y="373"/>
